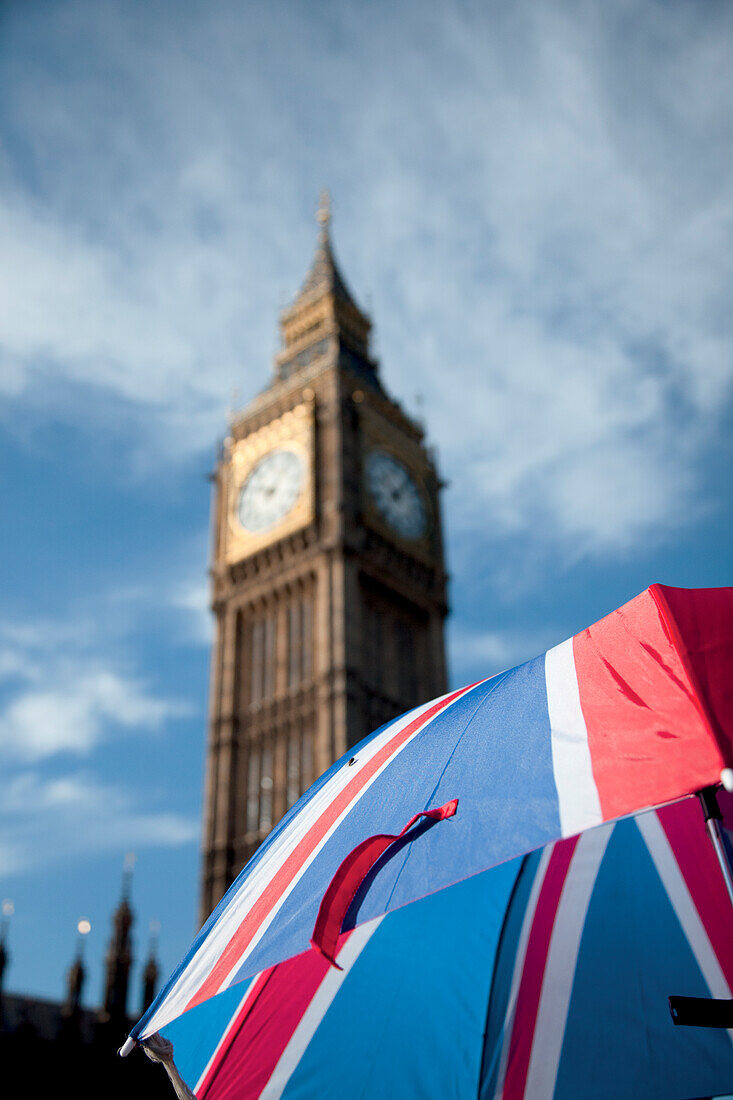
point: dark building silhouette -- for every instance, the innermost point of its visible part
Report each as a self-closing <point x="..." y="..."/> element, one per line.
<point x="60" y="1045"/>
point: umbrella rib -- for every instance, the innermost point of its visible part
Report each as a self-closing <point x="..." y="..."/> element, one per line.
<point x="494" y="682"/>
<point x="499" y="943"/>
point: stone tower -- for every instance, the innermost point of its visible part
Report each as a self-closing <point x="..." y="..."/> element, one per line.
<point x="328" y="576"/>
<point x="118" y="959"/>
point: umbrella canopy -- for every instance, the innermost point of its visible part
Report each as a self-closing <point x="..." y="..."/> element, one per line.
<point x="633" y="712"/>
<point x="601" y="929"/>
<point x="545" y="978"/>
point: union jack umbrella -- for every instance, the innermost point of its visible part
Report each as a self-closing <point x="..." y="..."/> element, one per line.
<point x="633" y="713"/>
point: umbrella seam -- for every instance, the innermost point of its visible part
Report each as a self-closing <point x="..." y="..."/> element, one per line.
<point x="494" y="685"/>
<point x="520" y="874"/>
<point x="699" y="698"/>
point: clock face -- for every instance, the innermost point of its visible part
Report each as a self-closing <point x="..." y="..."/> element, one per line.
<point x="396" y="495"/>
<point x="271" y="490"/>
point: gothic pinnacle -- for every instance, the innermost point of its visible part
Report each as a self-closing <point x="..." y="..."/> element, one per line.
<point x="323" y="214"/>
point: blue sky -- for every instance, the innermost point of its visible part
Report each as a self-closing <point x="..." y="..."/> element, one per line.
<point x="534" y="202"/>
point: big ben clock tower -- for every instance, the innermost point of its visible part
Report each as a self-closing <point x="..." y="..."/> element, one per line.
<point x="328" y="576"/>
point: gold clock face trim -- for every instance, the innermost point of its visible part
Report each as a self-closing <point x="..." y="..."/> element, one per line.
<point x="269" y="484"/>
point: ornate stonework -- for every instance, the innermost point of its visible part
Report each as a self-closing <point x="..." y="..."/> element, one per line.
<point x="330" y="605"/>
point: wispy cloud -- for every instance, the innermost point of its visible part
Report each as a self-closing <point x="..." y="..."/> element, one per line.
<point x="538" y="198"/>
<point x="67" y="697"/>
<point x="84" y="707"/>
<point x="74" y="815"/>
<point x="60" y="699"/>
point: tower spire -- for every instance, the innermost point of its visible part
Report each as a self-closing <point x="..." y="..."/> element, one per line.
<point x="75" y="976"/>
<point x="324" y="319"/>
<point x="127" y="868"/>
<point x="323" y="214"/>
<point x="324" y="276"/>
<point x="119" y="953"/>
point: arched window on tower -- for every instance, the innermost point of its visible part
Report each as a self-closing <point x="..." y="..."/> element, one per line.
<point x="300" y="640"/>
<point x="262" y="635"/>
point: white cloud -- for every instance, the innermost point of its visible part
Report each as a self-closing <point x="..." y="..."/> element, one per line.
<point x="538" y="197"/>
<point x="78" y="712"/>
<point x="62" y="697"/>
<point x="66" y="693"/>
<point x="64" y="817"/>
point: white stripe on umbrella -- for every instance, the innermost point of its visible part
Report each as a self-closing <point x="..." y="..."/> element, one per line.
<point x="674" y="883"/>
<point x="317" y="1009"/>
<point x="562" y="957"/>
<point x="579" y="804"/>
<point x="527" y="922"/>
<point x="246" y="896"/>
